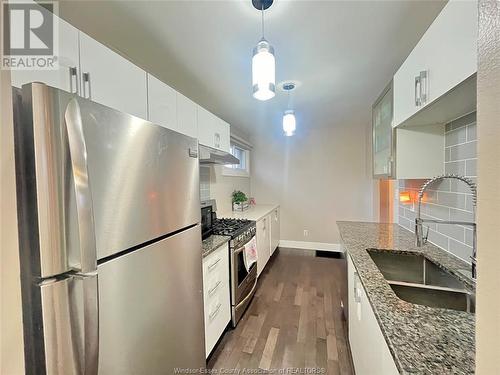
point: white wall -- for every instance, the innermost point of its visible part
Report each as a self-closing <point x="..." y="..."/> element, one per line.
<point x="488" y="206"/>
<point x="11" y="331"/>
<point x="318" y="176"/>
<point x="221" y="188"/>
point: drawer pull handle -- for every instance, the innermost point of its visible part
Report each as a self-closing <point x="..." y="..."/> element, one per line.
<point x="212" y="291"/>
<point x="211" y="266"/>
<point x="215" y="312"/>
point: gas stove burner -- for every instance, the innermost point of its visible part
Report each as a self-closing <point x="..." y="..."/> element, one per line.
<point x="231" y="227"/>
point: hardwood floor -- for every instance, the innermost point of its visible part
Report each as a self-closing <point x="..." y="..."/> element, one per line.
<point x="294" y="321"/>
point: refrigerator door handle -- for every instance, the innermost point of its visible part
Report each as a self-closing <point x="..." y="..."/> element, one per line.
<point x="78" y="156"/>
<point x="91" y="323"/>
<point x="70" y="317"/>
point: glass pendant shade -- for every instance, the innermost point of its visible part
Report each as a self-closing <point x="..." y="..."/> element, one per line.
<point x="263" y="71"/>
<point x="289" y="123"/>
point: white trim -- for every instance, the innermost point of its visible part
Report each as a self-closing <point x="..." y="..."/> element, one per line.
<point x="322" y="246"/>
<point x="238" y="172"/>
<point x="241" y="141"/>
<point x="235" y="172"/>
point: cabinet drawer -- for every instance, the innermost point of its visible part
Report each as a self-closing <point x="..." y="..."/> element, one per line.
<point x="215" y="262"/>
<point x="215" y="273"/>
<point x="216" y="295"/>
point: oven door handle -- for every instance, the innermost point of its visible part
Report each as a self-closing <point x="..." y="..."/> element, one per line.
<point x="249" y="295"/>
<point x="240" y="249"/>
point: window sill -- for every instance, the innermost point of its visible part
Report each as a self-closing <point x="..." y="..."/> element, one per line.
<point x="230" y="172"/>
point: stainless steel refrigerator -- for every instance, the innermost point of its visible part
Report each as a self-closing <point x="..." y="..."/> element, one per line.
<point x="110" y="239"/>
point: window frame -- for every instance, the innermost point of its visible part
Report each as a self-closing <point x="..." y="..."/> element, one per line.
<point x="238" y="172"/>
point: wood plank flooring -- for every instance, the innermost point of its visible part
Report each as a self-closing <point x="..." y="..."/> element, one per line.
<point x="293" y="322"/>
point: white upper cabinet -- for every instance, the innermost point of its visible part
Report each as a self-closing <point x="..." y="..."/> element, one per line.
<point x="444" y="57"/>
<point x="110" y="79"/>
<point x="212" y="131"/>
<point x="224" y="133"/>
<point x="64" y="78"/>
<point x="207" y="123"/>
<point x="162" y="104"/>
<point x="187" y="116"/>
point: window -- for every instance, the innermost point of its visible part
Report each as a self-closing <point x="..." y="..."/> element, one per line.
<point x="242" y="169"/>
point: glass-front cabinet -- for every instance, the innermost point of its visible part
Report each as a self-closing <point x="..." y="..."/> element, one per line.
<point x="382" y="149"/>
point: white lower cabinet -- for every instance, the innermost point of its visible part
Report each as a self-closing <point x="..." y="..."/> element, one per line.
<point x="370" y="353"/>
<point x="275" y="229"/>
<point x="216" y="295"/>
<point x="263" y="242"/>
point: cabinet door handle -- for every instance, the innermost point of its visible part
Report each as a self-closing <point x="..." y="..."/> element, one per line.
<point x="86" y="81"/>
<point x="423" y="87"/>
<point x="215" y="312"/>
<point x="214" y="289"/>
<point x="418" y="89"/>
<point x="73" y="76"/>
<point x="211" y="266"/>
<point x="217" y="140"/>
<point x="357" y="296"/>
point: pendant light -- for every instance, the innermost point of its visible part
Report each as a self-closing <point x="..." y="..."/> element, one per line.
<point x="263" y="62"/>
<point x="289" y="121"/>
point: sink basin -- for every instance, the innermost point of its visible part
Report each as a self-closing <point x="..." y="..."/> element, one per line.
<point x="416" y="279"/>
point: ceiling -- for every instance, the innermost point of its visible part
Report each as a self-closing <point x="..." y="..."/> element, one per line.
<point x="342" y="52"/>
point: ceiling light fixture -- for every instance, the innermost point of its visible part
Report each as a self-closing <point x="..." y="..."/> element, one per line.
<point x="289" y="121"/>
<point x="263" y="62"/>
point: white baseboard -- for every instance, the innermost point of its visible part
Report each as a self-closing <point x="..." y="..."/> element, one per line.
<point x="303" y="245"/>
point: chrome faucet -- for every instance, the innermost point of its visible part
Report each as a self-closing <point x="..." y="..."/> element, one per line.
<point x="419" y="230"/>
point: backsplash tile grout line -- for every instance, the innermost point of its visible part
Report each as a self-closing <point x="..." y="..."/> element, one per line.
<point x="450" y="200"/>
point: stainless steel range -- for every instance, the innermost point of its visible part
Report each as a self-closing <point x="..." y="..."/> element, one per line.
<point x="243" y="282"/>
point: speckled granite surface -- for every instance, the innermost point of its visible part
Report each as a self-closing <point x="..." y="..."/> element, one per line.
<point x="213" y="242"/>
<point x="422" y="340"/>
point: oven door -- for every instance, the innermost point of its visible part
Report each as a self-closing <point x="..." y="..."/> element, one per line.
<point x="243" y="281"/>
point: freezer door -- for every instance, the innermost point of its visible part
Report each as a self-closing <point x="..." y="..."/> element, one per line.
<point x="94" y="181"/>
<point x="144" y="178"/>
<point x="151" y="308"/>
<point x="62" y="327"/>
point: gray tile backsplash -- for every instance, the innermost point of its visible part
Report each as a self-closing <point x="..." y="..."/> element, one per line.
<point x="204" y="183"/>
<point x="449" y="199"/>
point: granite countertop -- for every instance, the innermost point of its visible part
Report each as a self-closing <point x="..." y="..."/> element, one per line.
<point x="422" y="340"/>
<point x="254" y="213"/>
<point x="212" y="243"/>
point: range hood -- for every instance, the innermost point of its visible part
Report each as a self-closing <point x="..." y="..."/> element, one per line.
<point x="209" y="155"/>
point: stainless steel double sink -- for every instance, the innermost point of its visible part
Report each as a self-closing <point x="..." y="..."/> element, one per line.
<point x="416" y="279"/>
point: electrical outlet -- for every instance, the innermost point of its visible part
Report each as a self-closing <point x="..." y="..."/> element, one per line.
<point x="306" y="232"/>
